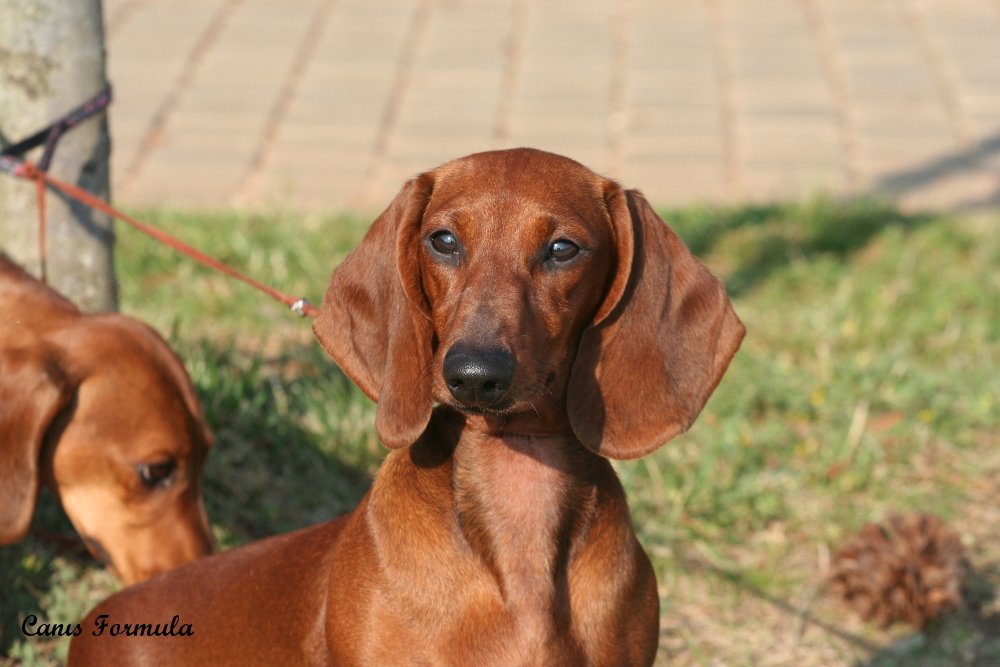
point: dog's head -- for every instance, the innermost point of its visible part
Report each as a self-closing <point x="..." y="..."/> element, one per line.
<point x="523" y="289"/>
<point x="103" y="411"/>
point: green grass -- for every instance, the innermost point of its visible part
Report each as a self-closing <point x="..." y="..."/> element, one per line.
<point x="868" y="383"/>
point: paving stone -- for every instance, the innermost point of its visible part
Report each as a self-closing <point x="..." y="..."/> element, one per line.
<point x="333" y="103"/>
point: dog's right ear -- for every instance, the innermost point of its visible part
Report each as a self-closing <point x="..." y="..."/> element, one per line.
<point x="374" y="320"/>
<point x="662" y="339"/>
<point x="33" y="390"/>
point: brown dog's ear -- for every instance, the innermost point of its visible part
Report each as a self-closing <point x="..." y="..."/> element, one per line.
<point x="659" y="344"/>
<point x="32" y="392"/>
<point x="373" y="320"/>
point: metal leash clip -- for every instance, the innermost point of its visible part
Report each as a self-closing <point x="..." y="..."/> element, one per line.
<point x="299" y="307"/>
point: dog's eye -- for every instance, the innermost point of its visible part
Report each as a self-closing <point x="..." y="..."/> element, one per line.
<point x="562" y="250"/>
<point x="444" y="242"/>
<point x="156" y="474"/>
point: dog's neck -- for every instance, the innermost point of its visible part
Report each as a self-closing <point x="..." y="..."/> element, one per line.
<point x="522" y="502"/>
<point x="518" y="524"/>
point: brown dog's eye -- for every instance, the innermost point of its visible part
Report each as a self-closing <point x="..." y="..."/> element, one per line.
<point x="156" y="474"/>
<point x="562" y="250"/>
<point x="444" y="242"/>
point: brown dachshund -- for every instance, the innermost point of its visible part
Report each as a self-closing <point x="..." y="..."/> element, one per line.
<point x="557" y="321"/>
<point x="98" y="408"/>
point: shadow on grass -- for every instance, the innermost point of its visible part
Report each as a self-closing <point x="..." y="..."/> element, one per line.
<point x="970" y="636"/>
<point x="786" y="233"/>
<point x="964" y="639"/>
<point x="294" y="439"/>
<point x="30" y="576"/>
<point x="294" y="446"/>
<point x="803" y="617"/>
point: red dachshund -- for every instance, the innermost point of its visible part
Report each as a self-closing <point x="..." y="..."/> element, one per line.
<point x="557" y="322"/>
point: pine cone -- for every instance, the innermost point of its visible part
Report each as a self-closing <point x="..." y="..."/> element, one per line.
<point x="909" y="569"/>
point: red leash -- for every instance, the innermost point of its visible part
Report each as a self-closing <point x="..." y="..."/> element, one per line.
<point x="298" y="306"/>
<point x="15" y="166"/>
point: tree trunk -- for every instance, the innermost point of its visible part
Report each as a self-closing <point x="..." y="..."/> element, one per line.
<point x="51" y="61"/>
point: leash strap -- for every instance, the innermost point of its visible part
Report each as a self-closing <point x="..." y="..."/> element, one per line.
<point x="50" y="134"/>
<point x="12" y="163"/>
<point x="297" y="305"/>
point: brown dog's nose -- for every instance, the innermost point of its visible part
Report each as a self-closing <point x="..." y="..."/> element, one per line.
<point x="478" y="378"/>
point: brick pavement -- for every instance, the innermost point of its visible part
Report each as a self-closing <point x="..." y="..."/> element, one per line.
<point x="333" y="103"/>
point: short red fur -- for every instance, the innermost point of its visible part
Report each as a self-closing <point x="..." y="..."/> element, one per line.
<point x="85" y="402"/>
<point x="495" y="536"/>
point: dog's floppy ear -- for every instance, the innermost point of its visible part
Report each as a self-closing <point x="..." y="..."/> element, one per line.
<point x="659" y="343"/>
<point x="373" y="320"/>
<point x="32" y="392"/>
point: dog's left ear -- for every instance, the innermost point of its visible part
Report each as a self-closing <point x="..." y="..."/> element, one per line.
<point x="373" y="320"/>
<point x="659" y="344"/>
<point x="33" y="391"/>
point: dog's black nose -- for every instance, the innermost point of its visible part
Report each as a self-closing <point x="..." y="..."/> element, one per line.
<point x="478" y="378"/>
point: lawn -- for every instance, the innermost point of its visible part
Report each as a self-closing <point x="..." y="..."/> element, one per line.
<point x="868" y="384"/>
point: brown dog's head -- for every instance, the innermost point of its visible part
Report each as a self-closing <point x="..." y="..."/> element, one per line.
<point x="524" y="290"/>
<point x="102" y="410"/>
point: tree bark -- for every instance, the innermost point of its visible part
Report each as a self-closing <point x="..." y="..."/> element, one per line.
<point x="51" y="60"/>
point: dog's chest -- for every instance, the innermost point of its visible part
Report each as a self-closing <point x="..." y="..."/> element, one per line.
<point x="476" y="633"/>
<point x="489" y="579"/>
